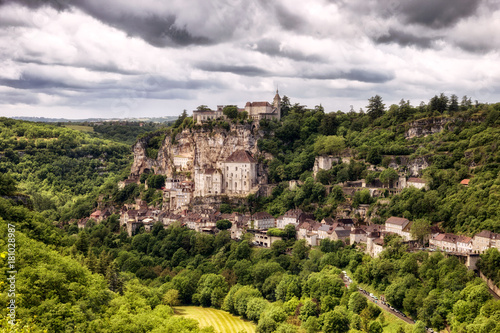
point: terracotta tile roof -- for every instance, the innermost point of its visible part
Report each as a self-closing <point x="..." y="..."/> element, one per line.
<point x="358" y="231"/>
<point x="304" y="225"/>
<point x="465" y="182"/>
<point x="97" y="213"/>
<point x="488" y="234"/>
<point x="373" y="227"/>
<point x="450" y="238"/>
<point x="262" y="215"/>
<point x="240" y="156"/>
<point x="397" y="221"/>
<point x="293" y="213"/>
<point x="464" y="239"/>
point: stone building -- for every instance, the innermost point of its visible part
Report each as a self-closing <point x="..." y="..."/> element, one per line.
<point x="293" y="216"/>
<point x="239" y="172"/>
<point x="261" y="220"/>
<point x="265" y="110"/>
<point x="416" y="182"/>
<point x="255" y="110"/>
<point x="208" y="182"/>
<point x="396" y="225"/>
<point x="182" y="162"/>
<point x="445" y="241"/>
<point x="237" y="176"/>
<point x="207" y="114"/>
<point x="484" y="240"/>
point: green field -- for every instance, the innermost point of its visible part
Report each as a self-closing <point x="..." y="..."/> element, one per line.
<point x="222" y="321"/>
<point x="80" y="128"/>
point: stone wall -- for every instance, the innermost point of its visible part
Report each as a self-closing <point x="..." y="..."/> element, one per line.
<point x="490" y="284"/>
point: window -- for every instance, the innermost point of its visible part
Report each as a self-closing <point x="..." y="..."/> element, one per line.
<point x="236" y="168"/>
<point x="235" y="185"/>
<point x="244" y="183"/>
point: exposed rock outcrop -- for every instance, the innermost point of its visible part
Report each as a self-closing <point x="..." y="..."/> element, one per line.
<point x="205" y="147"/>
<point x="426" y="126"/>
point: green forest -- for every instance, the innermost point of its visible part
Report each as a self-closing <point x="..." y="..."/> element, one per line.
<point x="100" y="279"/>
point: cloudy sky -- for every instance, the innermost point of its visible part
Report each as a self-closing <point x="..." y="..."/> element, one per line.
<point x="121" y="58"/>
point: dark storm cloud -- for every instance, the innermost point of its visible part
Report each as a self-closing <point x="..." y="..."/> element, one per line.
<point x="57" y="4"/>
<point x="287" y="19"/>
<point x="16" y="97"/>
<point x="360" y="75"/>
<point x="234" y="69"/>
<point x="272" y="47"/>
<point x="129" y="88"/>
<point x="354" y="74"/>
<point x="404" y="39"/>
<point x="476" y="46"/>
<point x="35" y="82"/>
<point x="157" y="30"/>
<point x="436" y="13"/>
<point x="91" y="66"/>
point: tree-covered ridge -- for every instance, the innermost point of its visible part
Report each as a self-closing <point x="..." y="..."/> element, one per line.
<point x="464" y="145"/>
<point x="60" y="168"/>
<point x="125" y="132"/>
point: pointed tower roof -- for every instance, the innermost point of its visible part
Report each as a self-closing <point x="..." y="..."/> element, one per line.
<point x="277" y="96"/>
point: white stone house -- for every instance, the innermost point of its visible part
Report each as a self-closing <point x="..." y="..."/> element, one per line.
<point x="261" y="220"/>
<point x="208" y="182"/>
<point x="324" y="231"/>
<point x="358" y="235"/>
<point x="464" y="244"/>
<point x="397" y="225"/>
<point x="181" y="162"/>
<point x="484" y="240"/>
<point x="239" y="173"/>
<point x="293" y="216"/>
<point x="377" y="247"/>
<point x="445" y="241"/>
<point x="416" y="182"/>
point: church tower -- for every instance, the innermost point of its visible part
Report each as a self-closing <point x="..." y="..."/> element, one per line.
<point x="277" y="104"/>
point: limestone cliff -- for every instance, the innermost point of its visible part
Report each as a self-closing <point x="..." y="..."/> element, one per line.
<point x="205" y="147"/>
<point x="426" y="126"/>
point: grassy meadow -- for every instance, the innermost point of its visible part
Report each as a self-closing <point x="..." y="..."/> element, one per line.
<point x="222" y="321"/>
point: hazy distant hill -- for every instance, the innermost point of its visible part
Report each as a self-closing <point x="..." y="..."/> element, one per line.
<point x="91" y="120"/>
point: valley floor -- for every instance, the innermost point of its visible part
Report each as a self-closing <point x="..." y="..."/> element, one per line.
<point x="222" y="321"/>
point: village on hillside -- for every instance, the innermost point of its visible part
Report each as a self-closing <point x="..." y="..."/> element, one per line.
<point x="241" y="174"/>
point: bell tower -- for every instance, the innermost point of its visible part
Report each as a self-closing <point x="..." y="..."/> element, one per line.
<point x="277" y="104"/>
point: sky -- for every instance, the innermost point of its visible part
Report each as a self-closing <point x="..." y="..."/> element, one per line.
<point x="153" y="58"/>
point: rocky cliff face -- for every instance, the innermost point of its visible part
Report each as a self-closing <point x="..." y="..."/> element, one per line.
<point x="425" y="127"/>
<point x="206" y="148"/>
